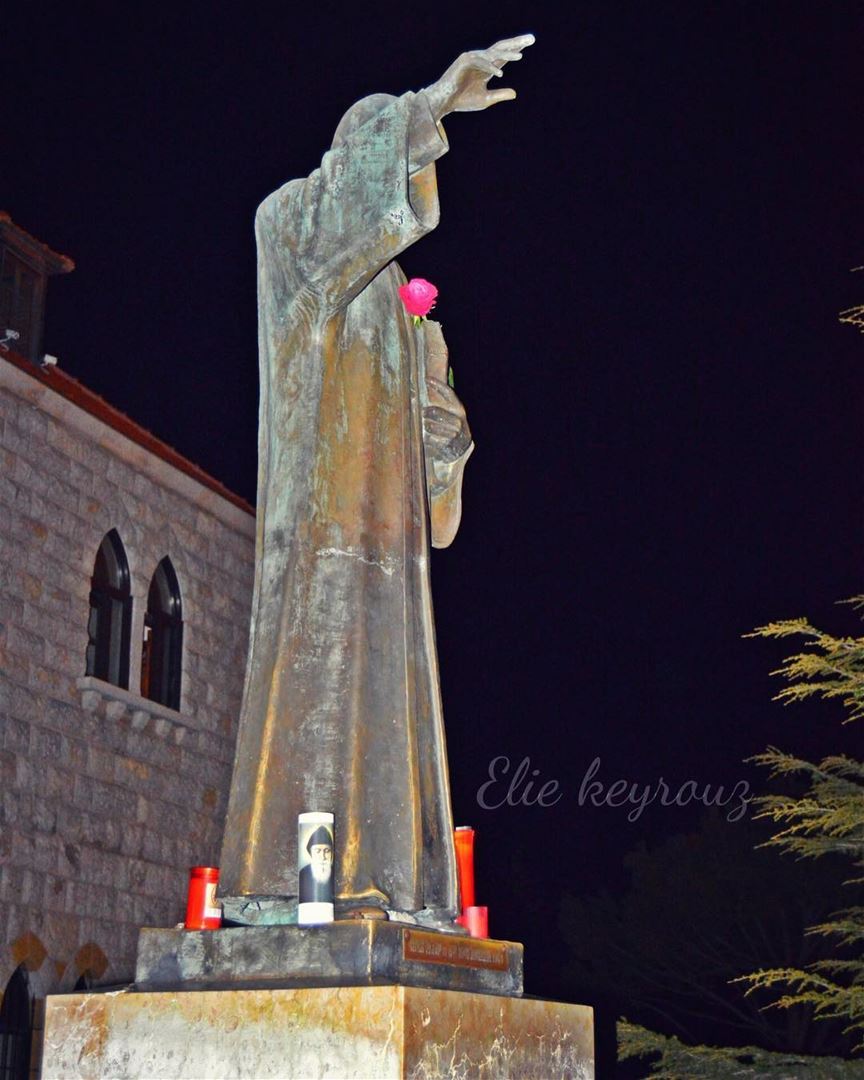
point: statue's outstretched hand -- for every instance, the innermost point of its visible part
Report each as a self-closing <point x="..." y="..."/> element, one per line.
<point x="462" y="87"/>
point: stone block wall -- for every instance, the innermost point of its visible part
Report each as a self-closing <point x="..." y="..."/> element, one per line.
<point x="106" y="798"/>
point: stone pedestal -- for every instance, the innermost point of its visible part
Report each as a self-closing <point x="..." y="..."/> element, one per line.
<point x="365" y="1032"/>
<point x="349" y="953"/>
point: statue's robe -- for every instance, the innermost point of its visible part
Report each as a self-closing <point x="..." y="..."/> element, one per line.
<point x="341" y="708"/>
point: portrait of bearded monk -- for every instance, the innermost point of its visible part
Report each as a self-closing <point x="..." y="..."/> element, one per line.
<point x="315" y="878"/>
<point x="362" y="445"/>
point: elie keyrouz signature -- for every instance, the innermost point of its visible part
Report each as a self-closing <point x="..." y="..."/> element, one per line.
<point x="523" y="786"/>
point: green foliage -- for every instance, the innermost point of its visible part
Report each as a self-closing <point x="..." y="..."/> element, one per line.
<point x="854" y="316"/>
<point x="828" y="817"/>
<point x="677" y="1061"/>
<point x="825" y="816"/>
<point x="829" y="667"/>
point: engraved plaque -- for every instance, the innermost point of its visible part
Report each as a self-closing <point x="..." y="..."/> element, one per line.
<point x="435" y="948"/>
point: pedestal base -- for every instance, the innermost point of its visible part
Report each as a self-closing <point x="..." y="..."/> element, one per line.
<point x="365" y="1032"/>
<point x="351" y="953"/>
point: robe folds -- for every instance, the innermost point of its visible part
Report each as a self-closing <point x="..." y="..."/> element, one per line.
<point x="341" y="708"/>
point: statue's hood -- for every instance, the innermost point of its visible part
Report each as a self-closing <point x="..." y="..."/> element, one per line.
<point x="360" y="113"/>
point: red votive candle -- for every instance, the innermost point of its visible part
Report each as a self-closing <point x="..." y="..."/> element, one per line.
<point x="464" y="837"/>
<point x="202" y="910"/>
<point x="476" y="920"/>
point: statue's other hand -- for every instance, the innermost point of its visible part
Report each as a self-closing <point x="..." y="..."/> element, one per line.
<point x="463" y="86"/>
<point x="445" y="428"/>
<point x="445" y="436"/>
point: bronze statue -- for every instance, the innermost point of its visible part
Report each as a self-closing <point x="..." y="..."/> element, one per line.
<point x="362" y="444"/>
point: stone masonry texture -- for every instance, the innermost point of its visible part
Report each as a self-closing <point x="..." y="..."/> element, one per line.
<point x="106" y="799"/>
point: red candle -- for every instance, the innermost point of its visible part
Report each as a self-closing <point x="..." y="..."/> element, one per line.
<point x="464" y="838"/>
<point x="476" y="921"/>
<point x="202" y="909"/>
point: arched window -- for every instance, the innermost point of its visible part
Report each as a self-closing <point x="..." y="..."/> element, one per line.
<point x="108" y="630"/>
<point x="162" y="652"/>
<point x="16" y="1027"/>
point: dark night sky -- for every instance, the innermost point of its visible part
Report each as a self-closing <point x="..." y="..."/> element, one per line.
<point x="641" y="261"/>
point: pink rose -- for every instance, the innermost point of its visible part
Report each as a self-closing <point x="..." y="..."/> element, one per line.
<point x="418" y="296"/>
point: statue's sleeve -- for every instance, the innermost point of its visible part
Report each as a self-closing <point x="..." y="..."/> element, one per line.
<point x="445" y="457"/>
<point x="371" y="198"/>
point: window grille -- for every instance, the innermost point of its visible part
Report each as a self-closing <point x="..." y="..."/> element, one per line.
<point x="162" y="652"/>
<point x="108" y="629"/>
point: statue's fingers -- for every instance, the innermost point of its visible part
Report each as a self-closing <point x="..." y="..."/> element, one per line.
<point x="449" y="414"/>
<point x="494" y="96"/>
<point x="446" y="402"/>
<point x="439" y="431"/>
<point x="444" y="435"/>
<point x="504" y="52"/>
<point x="481" y="62"/>
<point x="514" y="44"/>
<point x="502" y="58"/>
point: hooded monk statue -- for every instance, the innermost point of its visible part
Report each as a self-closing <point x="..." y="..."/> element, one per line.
<point x="362" y="444"/>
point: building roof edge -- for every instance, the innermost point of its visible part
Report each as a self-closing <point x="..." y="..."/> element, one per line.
<point x="77" y="394"/>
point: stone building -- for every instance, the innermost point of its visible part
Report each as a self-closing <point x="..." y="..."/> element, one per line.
<point x="125" y="584"/>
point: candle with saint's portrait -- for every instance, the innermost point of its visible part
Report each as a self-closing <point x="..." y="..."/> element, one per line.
<point x="315" y="858"/>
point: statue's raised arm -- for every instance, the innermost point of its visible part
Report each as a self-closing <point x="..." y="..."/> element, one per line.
<point x="362" y="444"/>
<point x="374" y="193"/>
